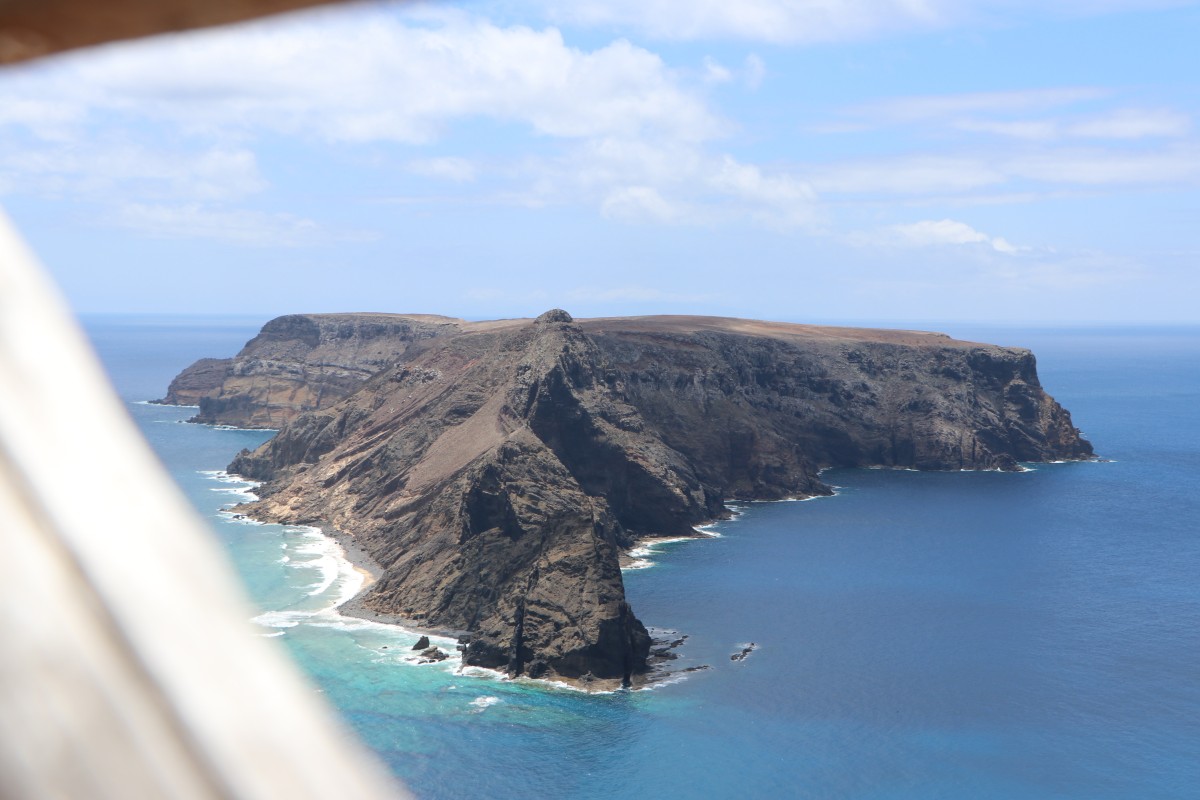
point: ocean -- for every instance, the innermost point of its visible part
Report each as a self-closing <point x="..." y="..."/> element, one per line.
<point x="918" y="635"/>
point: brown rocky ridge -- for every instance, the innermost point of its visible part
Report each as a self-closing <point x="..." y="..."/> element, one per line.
<point x="497" y="471"/>
<point x="298" y="363"/>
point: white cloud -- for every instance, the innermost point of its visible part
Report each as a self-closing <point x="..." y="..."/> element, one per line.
<point x="1097" y="167"/>
<point x="1133" y="123"/>
<point x="1068" y="272"/>
<point x="641" y="181"/>
<point x="923" y="107"/>
<point x="591" y="297"/>
<point x="780" y="199"/>
<point x="778" y="21"/>
<point x="634" y="294"/>
<point x="934" y="233"/>
<point x="638" y="204"/>
<point x="813" y="21"/>
<point x="754" y="71"/>
<point x="450" y="168"/>
<point x="95" y="170"/>
<point x="238" y="226"/>
<point x="1034" y="130"/>
<point x="47" y="119"/>
<point x="1032" y="146"/>
<point x="373" y="77"/>
<point x="715" y="72"/>
<point x="1020" y="177"/>
<point x="613" y="126"/>
<point x="750" y="74"/>
<point x="1129" y="124"/>
<point x="961" y="110"/>
<point x="909" y="175"/>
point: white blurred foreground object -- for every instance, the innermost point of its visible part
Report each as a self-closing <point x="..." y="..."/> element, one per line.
<point x="128" y="668"/>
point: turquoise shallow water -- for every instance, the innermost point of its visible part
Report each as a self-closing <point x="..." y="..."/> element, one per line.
<point x="979" y="635"/>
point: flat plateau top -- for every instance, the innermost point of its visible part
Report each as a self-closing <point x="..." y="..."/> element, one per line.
<point x="682" y="324"/>
<point x="665" y="325"/>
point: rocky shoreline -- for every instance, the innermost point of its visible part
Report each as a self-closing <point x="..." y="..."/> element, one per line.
<point x="662" y="651"/>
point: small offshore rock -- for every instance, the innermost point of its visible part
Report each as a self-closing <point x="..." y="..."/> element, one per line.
<point x="422" y="643"/>
<point x="434" y="654"/>
<point x="745" y="651"/>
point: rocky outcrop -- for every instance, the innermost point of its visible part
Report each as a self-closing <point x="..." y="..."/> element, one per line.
<point x="496" y="474"/>
<point x="200" y="380"/>
<point x="299" y="363"/>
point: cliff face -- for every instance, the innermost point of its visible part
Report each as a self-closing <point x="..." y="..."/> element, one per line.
<point x="791" y="395"/>
<point x="298" y="363"/>
<point x="497" y="473"/>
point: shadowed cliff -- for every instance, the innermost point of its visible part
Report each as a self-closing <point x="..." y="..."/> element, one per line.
<point x="496" y="472"/>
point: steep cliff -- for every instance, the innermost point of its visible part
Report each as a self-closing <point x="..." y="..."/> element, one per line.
<point x="298" y="363"/>
<point x="497" y="473"/>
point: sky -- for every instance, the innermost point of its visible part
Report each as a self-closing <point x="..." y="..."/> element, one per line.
<point x="996" y="161"/>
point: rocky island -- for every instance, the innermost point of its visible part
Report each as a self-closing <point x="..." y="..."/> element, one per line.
<point x="496" y="471"/>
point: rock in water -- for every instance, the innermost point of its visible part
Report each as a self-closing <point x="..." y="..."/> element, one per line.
<point x="497" y="470"/>
<point x="745" y="651"/>
<point x="433" y="654"/>
<point x="422" y="643"/>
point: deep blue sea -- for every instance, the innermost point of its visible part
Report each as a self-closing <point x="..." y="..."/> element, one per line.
<point x="920" y="635"/>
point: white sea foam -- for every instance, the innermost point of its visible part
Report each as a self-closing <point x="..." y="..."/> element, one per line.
<point x="497" y="675"/>
<point x="236" y="519"/>
<point x="642" y="551"/>
<point x="243" y="494"/>
<point x="226" y="477"/>
<point x="482" y="672"/>
<point x="317" y="551"/>
<point x="735" y="509"/>
<point x="281" y="619"/>
<point x="810" y="497"/>
<point x="234" y="485"/>
<point x="667" y="679"/>
<point x="309" y="548"/>
<point x="485" y="701"/>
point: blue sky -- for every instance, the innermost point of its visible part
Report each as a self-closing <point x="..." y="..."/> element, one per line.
<point x="883" y="160"/>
